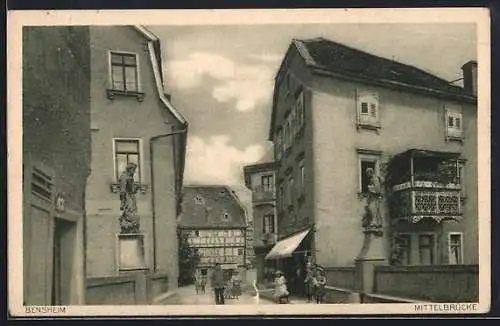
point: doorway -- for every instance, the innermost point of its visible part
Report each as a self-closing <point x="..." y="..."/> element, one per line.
<point x="62" y="262"/>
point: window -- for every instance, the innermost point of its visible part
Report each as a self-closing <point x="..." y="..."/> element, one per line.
<point x="127" y="151"/>
<point x="225" y="217"/>
<point x="41" y="184"/>
<point x="268" y="224"/>
<point x="286" y="134"/>
<point x="402" y="243"/>
<point x="293" y="122"/>
<point x="368" y="108"/>
<point x="196" y="233"/>
<point x="290" y="191"/>
<point x="240" y="252"/>
<point x="279" y="143"/>
<point x="199" y="200"/>
<point x="124" y="74"/>
<point x="426" y="249"/>
<point x="455" y="248"/>
<point x="454" y="123"/>
<point x="267" y="182"/>
<point x="281" y="202"/>
<point x="461" y="178"/>
<point x="301" y="173"/>
<point x="365" y="165"/>
<point x="299" y="103"/>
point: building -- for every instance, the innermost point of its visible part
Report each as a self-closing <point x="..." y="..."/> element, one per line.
<point x="56" y="163"/>
<point x="215" y="221"/>
<point x="133" y="121"/>
<point x="249" y="251"/>
<point x="338" y="111"/>
<point x="259" y="178"/>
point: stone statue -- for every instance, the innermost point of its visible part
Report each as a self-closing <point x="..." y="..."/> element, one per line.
<point x="129" y="220"/>
<point x="372" y="219"/>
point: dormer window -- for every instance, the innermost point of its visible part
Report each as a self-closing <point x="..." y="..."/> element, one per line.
<point x="368" y="109"/>
<point x="226" y="217"/>
<point x="198" y="199"/>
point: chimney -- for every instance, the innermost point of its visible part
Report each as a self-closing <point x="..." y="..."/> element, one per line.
<point x="470" y="77"/>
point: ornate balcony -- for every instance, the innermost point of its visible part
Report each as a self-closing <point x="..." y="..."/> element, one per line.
<point x="415" y="205"/>
<point x="425" y="185"/>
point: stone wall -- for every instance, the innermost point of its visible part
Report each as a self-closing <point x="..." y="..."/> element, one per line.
<point x="135" y="289"/>
<point x="443" y="283"/>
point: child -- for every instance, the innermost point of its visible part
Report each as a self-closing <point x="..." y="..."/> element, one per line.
<point x="319" y="284"/>
<point x="280" y="288"/>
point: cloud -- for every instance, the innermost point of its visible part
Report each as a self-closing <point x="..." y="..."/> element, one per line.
<point x="267" y="57"/>
<point x="214" y="161"/>
<point x="247" y="85"/>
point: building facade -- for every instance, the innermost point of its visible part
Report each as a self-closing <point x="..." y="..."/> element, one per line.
<point x="133" y="121"/>
<point x="56" y="163"/>
<point x="338" y="111"/>
<point x="215" y="221"/>
<point x="260" y="179"/>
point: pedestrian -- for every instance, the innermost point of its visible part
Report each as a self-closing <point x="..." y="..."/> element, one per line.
<point x="280" y="289"/>
<point x="309" y="284"/>
<point x="319" y="284"/>
<point x="217" y="282"/>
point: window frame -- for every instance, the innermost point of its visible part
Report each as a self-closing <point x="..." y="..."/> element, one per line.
<point x="140" y="160"/>
<point x="281" y="196"/>
<point x="370" y="98"/>
<point x="433" y="246"/>
<point x="365" y="157"/>
<point x="461" y="235"/>
<point x="290" y="193"/>
<point x="286" y="133"/>
<point x="270" y="218"/>
<point x="270" y="186"/>
<point x="279" y="143"/>
<point x="409" y="236"/>
<point x="455" y="112"/>
<point x="300" y="105"/>
<point x="137" y="71"/>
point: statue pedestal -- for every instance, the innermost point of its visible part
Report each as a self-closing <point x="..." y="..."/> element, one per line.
<point x="372" y="254"/>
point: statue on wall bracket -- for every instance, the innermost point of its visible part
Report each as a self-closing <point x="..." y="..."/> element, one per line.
<point x="129" y="219"/>
<point x="372" y="218"/>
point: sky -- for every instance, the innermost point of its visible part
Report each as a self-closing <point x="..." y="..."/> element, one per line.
<point x="221" y="79"/>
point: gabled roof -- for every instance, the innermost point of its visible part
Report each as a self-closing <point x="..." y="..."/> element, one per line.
<point x="155" y="56"/>
<point x="215" y="201"/>
<point x="330" y="58"/>
<point x="339" y="58"/>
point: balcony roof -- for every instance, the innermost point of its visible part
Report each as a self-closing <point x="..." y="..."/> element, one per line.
<point x="412" y="153"/>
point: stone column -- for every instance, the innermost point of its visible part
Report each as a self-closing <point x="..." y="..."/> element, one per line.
<point x="372" y="254"/>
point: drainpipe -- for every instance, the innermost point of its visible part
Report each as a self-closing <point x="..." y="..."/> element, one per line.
<point x="151" y="140"/>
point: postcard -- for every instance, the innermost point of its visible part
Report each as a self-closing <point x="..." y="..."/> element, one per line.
<point x="249" y="162"/>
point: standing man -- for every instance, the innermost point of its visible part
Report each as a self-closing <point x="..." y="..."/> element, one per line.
<point x="217" y="282"/>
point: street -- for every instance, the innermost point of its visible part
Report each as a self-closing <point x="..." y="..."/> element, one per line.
<point x="186" y="295"/>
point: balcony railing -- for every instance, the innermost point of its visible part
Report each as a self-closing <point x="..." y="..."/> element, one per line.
<point x="414" y="204"/>
<point x="263" y="194"/>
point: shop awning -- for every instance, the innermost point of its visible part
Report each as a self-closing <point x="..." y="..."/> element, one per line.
<point x="284" y="248"/>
